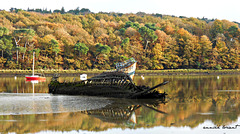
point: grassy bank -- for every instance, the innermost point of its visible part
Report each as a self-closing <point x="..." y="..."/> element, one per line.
<point x="138" y="72"/>
<point x="48" y="72"/>
<point x="189" y="71"/>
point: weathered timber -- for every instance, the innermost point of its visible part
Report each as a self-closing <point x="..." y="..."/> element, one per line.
<point x="148" y="90"/>
<point x="108" y="84"/>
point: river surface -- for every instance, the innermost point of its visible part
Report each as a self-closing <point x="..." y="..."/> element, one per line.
<point x="195" y="104"/>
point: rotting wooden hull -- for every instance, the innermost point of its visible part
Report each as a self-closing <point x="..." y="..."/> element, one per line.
<point x="130" y="70"/>
<point x="109" y="84"/>
<point x="128" y="67"/>
<point x="91" y="90"/>
<point x="103" y="90"/>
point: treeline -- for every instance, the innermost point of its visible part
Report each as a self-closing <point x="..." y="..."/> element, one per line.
<point x="99" y="40"/>
<point x="76" y="11"/>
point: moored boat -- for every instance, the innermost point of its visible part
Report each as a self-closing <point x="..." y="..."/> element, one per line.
<point x="33" y="76"/>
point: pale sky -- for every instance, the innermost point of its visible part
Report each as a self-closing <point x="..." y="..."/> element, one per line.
<point x="211" y="9"/>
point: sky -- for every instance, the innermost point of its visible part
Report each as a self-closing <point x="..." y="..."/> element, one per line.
<point x="211" y="9"/>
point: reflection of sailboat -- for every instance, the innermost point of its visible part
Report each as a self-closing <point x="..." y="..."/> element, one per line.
<point x="33" y="76"/>
<point x="33" y="84"/>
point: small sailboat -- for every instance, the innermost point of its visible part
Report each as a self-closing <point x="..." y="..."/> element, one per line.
<point x="35" y="77"/>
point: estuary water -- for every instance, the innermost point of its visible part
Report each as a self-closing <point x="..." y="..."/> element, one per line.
<point x="194" y="104"/>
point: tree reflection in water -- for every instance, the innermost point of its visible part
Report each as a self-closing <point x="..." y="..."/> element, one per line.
<point x="191" y="101"/>
<point x="123" y="113"/>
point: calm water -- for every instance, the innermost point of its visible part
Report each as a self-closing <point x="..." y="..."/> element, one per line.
<point x="195" y="104"/>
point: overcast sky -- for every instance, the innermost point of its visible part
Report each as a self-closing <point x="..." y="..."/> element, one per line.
<point x="211" y="9"/>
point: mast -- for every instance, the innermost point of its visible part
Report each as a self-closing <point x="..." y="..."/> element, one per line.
<point x="33" y="63"/>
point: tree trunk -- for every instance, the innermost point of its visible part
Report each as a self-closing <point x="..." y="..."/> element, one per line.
<point x="24" y="51"/>
<point x="17" y="56"/>
<point x="19" y="39"/>
<point x="94" y="62"/>
<point x="146" y="45"/>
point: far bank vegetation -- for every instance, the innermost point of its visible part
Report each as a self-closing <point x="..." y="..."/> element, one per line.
<point x="81" y="40"/>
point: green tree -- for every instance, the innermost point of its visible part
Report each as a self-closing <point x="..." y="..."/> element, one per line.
<point x="125" y="43"/>
<point x="81" y="48"/>
<point x="148" y="35"/>
<point x="216" y="28"/>
<point x="25" y="35"/>
<point x="2" y="46"/>
<point x="54" y="47"/>
<point x="62" y="10"/>
<point x="5" y="41"/>
<point x="122" y="31"/>
<point x="131" y="24"/>
<point x="232" y="33"/>
<point x="101" y="49"/>
<point x="3" y="31"/>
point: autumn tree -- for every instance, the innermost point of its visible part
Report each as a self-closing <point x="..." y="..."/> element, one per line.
<point x="188" y="48"/>
<point x="155" y="41"/>
<point x="222" y="51"/>
<point x="205" y="51"/>
<point x="191" y="52"/>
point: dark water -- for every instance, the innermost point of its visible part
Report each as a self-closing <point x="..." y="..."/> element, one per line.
<point x="195" y="104"/>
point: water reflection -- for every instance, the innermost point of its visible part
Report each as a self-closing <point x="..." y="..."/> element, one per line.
<point x="123" y="110"/>
<point x="95" y="114"/>
<point x="192" y="101"/>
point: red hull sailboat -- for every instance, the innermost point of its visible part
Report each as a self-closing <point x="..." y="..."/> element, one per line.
<point x="34" y="77"/>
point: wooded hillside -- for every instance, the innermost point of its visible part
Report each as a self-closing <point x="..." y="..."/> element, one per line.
<point x="79" y="39"/>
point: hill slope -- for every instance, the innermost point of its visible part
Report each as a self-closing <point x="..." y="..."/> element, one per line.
<point x="99" y="40"/>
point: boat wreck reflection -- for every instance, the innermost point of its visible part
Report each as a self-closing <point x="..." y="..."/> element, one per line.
<point x="123" y="111"/>
<point x="106" y="113"/>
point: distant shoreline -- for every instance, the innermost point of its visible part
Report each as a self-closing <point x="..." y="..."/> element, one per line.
<point x="50" y="73"/>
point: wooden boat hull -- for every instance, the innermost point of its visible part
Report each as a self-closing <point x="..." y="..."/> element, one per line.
<point x="91" y="90"/>
<point x="110" y="84"/>
<point x="130" y="70"/>
<point x="128" y="67"/>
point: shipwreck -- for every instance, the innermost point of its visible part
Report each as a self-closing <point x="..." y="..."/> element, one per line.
<point x="118" y="84"/>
